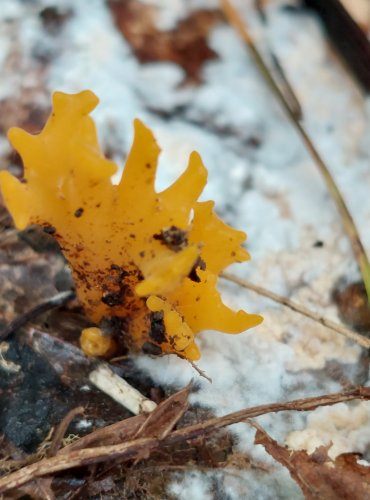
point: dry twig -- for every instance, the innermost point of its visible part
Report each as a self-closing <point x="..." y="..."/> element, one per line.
<point x="201" y="372"/>
<point x="356" y="337"/>
<point x="347" y="220"/>
<point x="143" y="447"/>
<point x="61" y="430"/>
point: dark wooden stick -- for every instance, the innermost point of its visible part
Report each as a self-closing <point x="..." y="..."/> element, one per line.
<point x="346" y="36"/>
<point x="58" y="300"/>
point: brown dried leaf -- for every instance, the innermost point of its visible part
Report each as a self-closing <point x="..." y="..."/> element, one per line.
<point x="111" y="434"/>
<point x="164" y="418"/>
<point x="186" y="45"/>
<point x="158" y="424"/>
<point x="317" y="475"/>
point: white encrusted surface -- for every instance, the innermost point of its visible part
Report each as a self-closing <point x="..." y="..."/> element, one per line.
<point x="271" y="190"/>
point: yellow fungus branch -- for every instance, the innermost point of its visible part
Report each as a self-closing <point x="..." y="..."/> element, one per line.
<point x="145" y="263"/>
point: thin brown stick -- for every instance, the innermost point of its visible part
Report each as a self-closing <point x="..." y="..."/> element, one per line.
<point x="347" y="220"/>
<point x="286" y="88"/>
<point x="62" y="429"/>
<point x="145" y="446"/>
<point x="294" y="306"/>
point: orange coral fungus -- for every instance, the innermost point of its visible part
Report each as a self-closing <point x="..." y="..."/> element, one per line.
<point x="145" y="264"/>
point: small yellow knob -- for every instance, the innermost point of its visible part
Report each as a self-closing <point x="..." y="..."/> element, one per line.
<point x="94" y="343"/>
